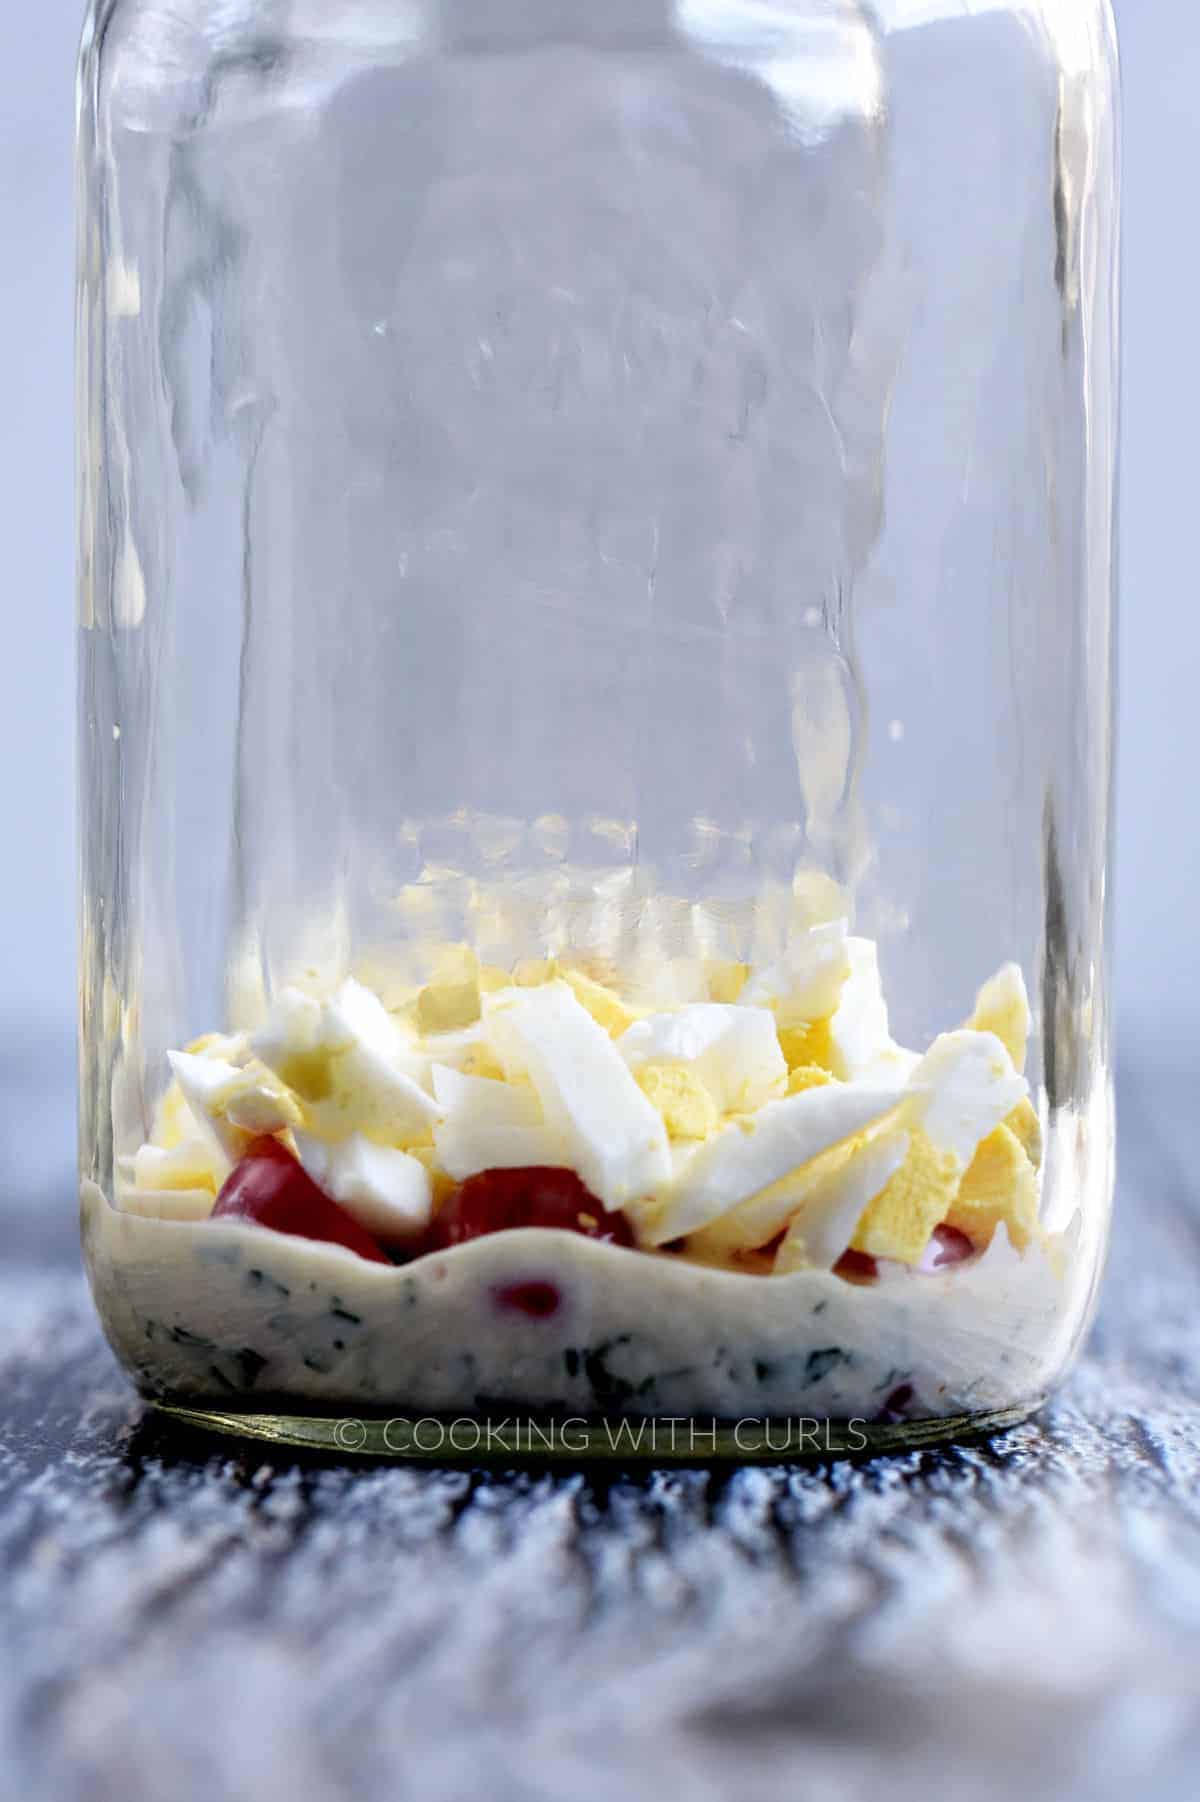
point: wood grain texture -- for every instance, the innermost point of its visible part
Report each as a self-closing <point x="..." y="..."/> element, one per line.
<point x="181" y="1619"/>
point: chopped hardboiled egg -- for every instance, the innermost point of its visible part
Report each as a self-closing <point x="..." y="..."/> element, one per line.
<point x="686" y="1105"/>
<point x="490" y="1125"/>
<point x="531" y="973"/>
<point x="174" y="1121"/>
<point x="451" y="1001"/>
<point x="232" y="1046"/>
<point x="466" y="1050"/>
<point x="612" y="1135"/>
<point x="831" y="1199"/>
<point x="971" y="1086"/>
<point x="807" y="1076"/>
<point x="1002" y="1007"/>
<point x="818" y="1197"/>
<point x="354" y="1019"/>
<point x="807" y="1047"/>
<point x="447" y="1006"/>
<point x="733" y="1050"/>
<point x="351" y="1064"/>
<point x="726" y="980"/>
<point x="190" y="1164"/>
<point x="860" y="1041"/>
<point x="466" y="1147"/>
<point x="233" y="1103"/>
<point x="783" y="1106"/>
<point x="899" y="1220"/>
<point x="752" y="1153"/>
<point x="963" y="1089"/>
<point x="167" y="1204"/>
<point x="806" y="983"/>
<point x="485" y="1098"/>
<point x="387" y="1191"/>
<point x="1025" y="1124"/>
<point x="290" y="1035"/>
<point x="999" y="1187"/>
<point x="602" y="1003"/>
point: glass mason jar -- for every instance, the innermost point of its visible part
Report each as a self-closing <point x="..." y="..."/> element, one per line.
<point x="596" y="581"/>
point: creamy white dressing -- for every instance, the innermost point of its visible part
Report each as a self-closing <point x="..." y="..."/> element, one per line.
<point x="222" y="1311"/>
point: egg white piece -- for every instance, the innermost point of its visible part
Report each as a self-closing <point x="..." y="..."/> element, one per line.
<point x="483" y="1099"/>
<point x="733" y="1050"/>
<point x="613" y="1137"/>
<point x="829" y="1203"/>
<point x="465" y="1147"/>
<point x="859" y="1031"/>
<point x="970" y="1085"/>
<point x="491" y="1125"/>
<point x="387" y="1191"/>
<point x="167" y="1204"/>
<point x="291" y="1029"/>
<point x="354" y="1019"/>
<point x="750" y="1155"/>
<point x="807" y="981"/>
<point x="376" y="1071"/>
<point x="233" y="1047"/>
<point x="371" y="1096"/>
<point x="192" y="1164"/>
<point x="452" y="1049"/>
<point x="818" y="1198"/>
<point x="232" y="1103"/>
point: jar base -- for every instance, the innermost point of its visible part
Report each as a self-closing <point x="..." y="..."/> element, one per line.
<point x="504" y="1439"/>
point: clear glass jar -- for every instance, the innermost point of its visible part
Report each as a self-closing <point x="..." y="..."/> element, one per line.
<point x="577" y="506"/>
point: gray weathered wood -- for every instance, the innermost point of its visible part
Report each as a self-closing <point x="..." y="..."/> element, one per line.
<point x="182" y="1618"/>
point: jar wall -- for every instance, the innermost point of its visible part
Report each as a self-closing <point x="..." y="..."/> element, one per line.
<point x="592" y="486"/>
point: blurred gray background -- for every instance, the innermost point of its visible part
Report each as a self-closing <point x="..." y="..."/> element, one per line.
<point x="1158" y="846"/>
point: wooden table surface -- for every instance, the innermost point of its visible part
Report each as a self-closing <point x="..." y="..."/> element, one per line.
<point x="183" y="1618"/>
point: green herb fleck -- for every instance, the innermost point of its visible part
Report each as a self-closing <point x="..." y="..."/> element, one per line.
<point x="820" y="1363"/>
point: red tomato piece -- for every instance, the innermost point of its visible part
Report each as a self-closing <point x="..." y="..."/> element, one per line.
<point x="537" y="1298"/>
<point x="537" y="1196"/>
<point x="856" y="1267"/>
<point x="271" y="1188"/>
<point x="947" y="1247"/>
